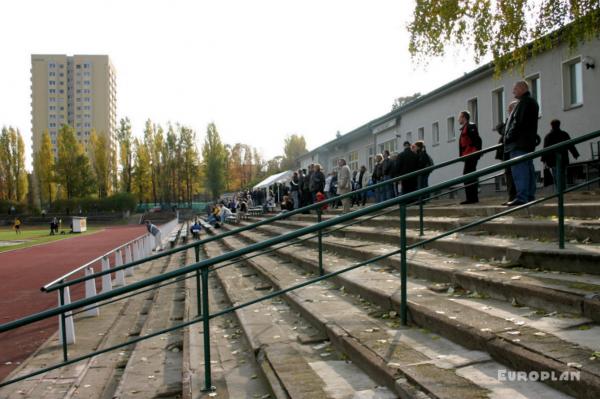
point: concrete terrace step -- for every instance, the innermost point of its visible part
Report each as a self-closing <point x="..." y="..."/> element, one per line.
<point x="235" y="372"/>
<point x="395" y="355"/>
<point x="547" y="228"/>
<point x="573" y="209"/>
<point x="95" y="377"/>
<point x="575" y="258"/>
<point x="533" y="350"/>
<point x="576" y="294"/>
<point x="290" y="351"/>
<point x="154" y="368"/>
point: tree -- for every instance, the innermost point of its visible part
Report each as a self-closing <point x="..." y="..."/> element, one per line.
<point x="402" y="101"/>
<point x="274" y="165"/>
<point x="502" y="29"/>
<point x="44" y="170"/>
<point x="100" y="157"/>
<point x="214" y="161"/>
<point x="141" y="180"/>
<point x="125" y="139"/>
<point x="171" y="156"/>
<point x="189" y="161"/>
<point x="72" y="167"/>
<point x="294" y="146"/>
<point x="13" y="177"/>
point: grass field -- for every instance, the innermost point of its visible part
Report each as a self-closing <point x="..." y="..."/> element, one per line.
<point x="33" y="235"/>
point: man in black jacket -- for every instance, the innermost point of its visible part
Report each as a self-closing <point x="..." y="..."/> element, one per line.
<point x="521" y="138"/>
<point x="360" y="183"/>
<point x="386" y="169"/>
<point x="468" y="143"/>
<point x="406" y="162"/>
<point x="556" y="136"/>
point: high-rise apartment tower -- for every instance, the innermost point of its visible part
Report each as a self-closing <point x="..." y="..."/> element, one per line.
<point x="78" y="90"/>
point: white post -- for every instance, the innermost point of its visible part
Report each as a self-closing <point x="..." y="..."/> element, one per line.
<point x="120" y="275"/>
<point x="69" y="325"/>
<point x="128" y="259"/>
<point x="90" y="291"/>
<point x="106" y="280"/>
<point x="149" y="244"/>
<point x="136" y="251"/>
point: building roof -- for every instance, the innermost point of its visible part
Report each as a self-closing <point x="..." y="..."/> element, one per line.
<point x="476" y="74"/>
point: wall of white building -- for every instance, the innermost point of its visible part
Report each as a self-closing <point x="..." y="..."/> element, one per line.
<point x="491" y="94"/>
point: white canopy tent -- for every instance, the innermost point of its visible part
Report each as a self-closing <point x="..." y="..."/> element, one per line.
<point x="283" y="177"/>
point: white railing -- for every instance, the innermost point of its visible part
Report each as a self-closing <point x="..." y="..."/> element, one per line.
<point x="134" y="250"/>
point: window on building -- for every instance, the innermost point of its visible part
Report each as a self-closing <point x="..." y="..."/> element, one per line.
<point x="409" y="137"/>
<point x="52" y="83"/>
<point x="472" y="107"/>
<point x="353" y="160"/>
<point x="389" y="145"/>
<point x="78" y="66"/>
<point x="498" y="106"/>
<point x="51" y="91"/>
<point x="535" y="88"/>
<point x="573" y="83"/>
<point x="370" y="157"/>
<point x="421" y="134"/>
<point x="52" y="99"/>
<point x="51" y="73"/>
<point x="451" y="131"/>
<point x="61" y="91"/>
<point x="435" y="133"/>
<point x="51" y="65"/>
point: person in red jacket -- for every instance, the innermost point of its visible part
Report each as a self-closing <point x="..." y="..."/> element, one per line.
<point x="468" y="143"/>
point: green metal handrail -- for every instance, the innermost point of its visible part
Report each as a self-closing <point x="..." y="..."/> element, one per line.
<point x="316" y="206"/>
<point x="203" y="266"/>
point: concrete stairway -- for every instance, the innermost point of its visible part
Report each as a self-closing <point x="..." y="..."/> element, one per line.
<point x="483" y="304"/>
<point x="478" y="293"/>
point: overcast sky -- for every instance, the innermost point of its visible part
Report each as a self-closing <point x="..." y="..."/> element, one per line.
<point x="259" y="69"/>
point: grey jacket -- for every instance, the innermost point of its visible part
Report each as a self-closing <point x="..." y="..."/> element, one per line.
<point x="344" y="182"/>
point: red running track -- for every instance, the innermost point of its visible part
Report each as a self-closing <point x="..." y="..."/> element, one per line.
<point x="24" y="271"/>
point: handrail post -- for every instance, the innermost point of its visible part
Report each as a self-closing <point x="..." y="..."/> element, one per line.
<point x="421" y="216"/>
<point x="63" y="324"/>
<point x="560" y="183"/>
<point x="403" y="272"/>
<point x="320" y="242"/>
<point x="198" y="285"/>
<point x="206" y="331"/>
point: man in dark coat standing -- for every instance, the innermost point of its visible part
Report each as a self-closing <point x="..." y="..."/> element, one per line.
<point x="468" y="143"/>
<point x="521" y="138"/>
<point x="556" y="136"/>
<point x="406" y="162"/>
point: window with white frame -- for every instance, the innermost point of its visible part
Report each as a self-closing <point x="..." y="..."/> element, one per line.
<point x="573" y="83"/>
<point x="435" y="133"/>
<point x="473" y="109"/>
<point x="389" y="145"/>
<point x="353" y="160"/>
<point x="421" y="134"/>
<point x="450" y="126"/>
<point x="498" y="106"/>
<point x="535" y="88"/>
<point x="370" y="157"/>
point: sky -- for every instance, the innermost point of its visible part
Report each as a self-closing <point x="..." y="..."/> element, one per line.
<point x="260" y="70"/>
